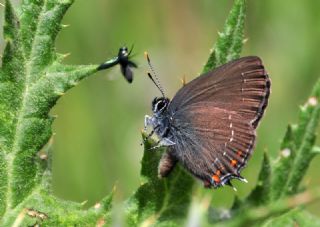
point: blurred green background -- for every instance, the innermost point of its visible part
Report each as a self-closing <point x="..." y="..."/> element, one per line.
<point x="97" y="141"/>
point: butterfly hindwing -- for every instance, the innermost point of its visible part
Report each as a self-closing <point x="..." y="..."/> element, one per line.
<point x="213" y="150"/>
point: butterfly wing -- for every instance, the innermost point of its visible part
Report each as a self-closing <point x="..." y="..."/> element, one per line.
<point x="214" y="119"/>
<point x="214" y="144"/>
<point x="242" y="86"/>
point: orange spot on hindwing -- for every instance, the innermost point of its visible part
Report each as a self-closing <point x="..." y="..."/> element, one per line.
<point x="234" y="162"/>
<point x="216" y="178"/>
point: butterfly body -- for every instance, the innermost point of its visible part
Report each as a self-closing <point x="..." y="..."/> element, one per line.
<point x="161" y="121"/>
<point x="209" y="125"/>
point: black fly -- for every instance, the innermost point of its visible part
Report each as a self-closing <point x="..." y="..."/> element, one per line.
<point x="123" y="59"/>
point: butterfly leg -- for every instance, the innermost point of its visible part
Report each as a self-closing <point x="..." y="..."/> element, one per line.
<point x="164" y="142"/>
<point x="147" y="137"/>
<point x="155" y="146"/>
<point x="147" y="121"/>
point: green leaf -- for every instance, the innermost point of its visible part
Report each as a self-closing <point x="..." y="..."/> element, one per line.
<point x="286" y="208"/>
<point x="229" y="44"/>
<point x="295" y="217"/>
<point x="297" y="149"/>
<point x="316" y="150"/>
<point x="260" y="194"/>
<point x="159" y="202"/>
<point x="32" y="79"/>
<point x="3" y="183"/>
<point x="51" y="211"/>
<point x="282" y="166"/>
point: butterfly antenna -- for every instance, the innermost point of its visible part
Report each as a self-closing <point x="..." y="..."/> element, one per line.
<point x="154" y="78"/>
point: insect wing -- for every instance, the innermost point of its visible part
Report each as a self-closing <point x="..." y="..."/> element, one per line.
<point x="214" y="144"/>
<point x="214" y="119"/>
<point x="127" y="72"/>
<point x="242" y="86"/>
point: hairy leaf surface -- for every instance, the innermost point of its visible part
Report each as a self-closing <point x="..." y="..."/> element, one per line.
<point x="32" y="79"/>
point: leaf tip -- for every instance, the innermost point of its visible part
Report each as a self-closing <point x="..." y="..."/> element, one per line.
<point x="312" y="101"/>
<point x="65" y="25"/>
<point x="84" y="203"/>
<point x="285" y="153"/>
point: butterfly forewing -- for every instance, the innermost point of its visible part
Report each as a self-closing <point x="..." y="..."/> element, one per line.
<point x="242" y="86"/>
<point x="215" y="116"/>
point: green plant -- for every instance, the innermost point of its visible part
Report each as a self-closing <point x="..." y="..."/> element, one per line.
<point x="268" y="203"/>
<point x="32" y="78"/>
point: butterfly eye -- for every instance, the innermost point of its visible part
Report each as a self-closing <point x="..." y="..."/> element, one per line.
<point x="160" y="105"/>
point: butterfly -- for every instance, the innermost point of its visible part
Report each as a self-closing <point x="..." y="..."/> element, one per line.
<point x="210" y="124"/>
<point x="123" y="59"/>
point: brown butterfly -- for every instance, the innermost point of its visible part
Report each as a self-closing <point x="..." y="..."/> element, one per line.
<point x="210" y="124"/>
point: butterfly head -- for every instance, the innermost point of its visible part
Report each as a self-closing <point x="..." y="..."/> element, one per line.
<point x="159" y="105"/>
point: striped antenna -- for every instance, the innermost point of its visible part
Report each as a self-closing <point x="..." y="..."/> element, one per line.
<point x="153" y="77"/>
